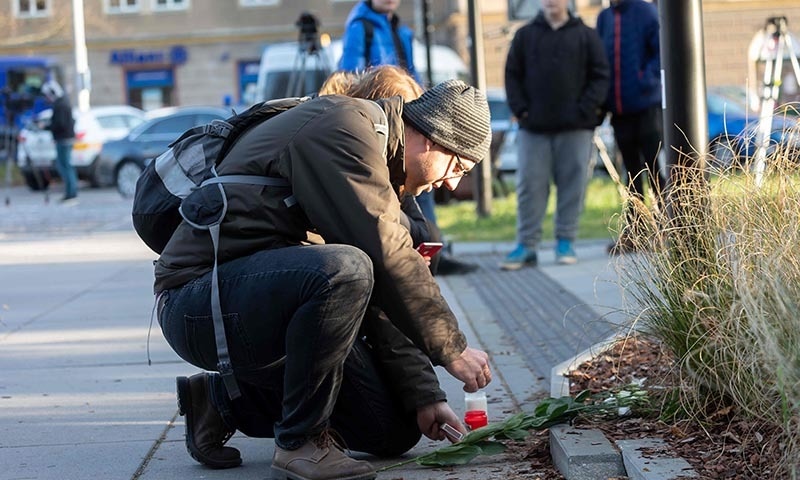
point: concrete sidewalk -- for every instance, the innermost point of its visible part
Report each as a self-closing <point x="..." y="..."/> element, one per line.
<point x="78" y="400"/>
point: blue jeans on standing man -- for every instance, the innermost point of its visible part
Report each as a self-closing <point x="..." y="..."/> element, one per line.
<point x="305" y="303"/>
<point x="65" y="169"/>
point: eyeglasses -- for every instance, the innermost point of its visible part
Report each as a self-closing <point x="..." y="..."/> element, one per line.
<point x="460" y="170"/>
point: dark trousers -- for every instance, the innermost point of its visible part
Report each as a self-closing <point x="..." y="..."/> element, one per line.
<point x="307" y="304"/>
<point x="639" y="137"/>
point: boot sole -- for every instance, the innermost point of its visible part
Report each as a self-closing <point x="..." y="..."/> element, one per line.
<point x="185" y="409"/>
<point x="281" y="474"/>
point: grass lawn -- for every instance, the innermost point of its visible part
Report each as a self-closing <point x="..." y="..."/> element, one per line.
<point x="459" y="220"/>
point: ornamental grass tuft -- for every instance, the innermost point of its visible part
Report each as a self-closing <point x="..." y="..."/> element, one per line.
<point x="717" y="281"/>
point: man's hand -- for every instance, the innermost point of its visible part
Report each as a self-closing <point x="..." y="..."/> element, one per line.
<point x="432" y="416"/>
<point x="472" y="368"/>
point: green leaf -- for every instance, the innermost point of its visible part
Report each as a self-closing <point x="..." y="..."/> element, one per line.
<point x="450" y="456"/>
<point x="583" y="396"/>
<point x="515" y="434"/>
<point x="541" y="409"/>
<point x="514" y="422"/>
<point x="492" y="448"/>
<point x="558" y="412"/>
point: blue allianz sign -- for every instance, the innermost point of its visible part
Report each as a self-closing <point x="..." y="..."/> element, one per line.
<point x="176" y="55"/>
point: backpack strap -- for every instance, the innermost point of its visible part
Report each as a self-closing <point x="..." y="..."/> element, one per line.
<point x="369" y="34"/>
<point x="247" y="179"/>
<point x="224" y="365"/>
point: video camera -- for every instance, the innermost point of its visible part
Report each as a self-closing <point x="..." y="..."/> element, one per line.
<point x="309" y="32"/>
<point x="14" y="103"/>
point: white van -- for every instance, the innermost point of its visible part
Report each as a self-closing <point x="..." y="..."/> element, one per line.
<point x="286" y="71"/>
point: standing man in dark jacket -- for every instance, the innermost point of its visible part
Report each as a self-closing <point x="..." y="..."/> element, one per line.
<point x="293" y="307"/>
<point x="629" y="30"/>
<point x="556" y="80"/>
<point x="62" y="126"/>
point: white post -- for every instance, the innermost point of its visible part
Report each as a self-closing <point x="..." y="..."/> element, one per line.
<point x="83" y="78"/>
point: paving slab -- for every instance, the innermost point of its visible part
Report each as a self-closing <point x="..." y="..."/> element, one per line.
<point x="584" y="454"/>
<point x="650" y="459"/>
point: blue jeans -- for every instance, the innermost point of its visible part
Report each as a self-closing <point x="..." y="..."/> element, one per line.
<point x="65" y="169"/>
<point x="306" y="303"/>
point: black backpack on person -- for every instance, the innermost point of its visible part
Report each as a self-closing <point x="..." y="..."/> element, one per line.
<point x="182" y="184"/>
<point x="188" y="164"/>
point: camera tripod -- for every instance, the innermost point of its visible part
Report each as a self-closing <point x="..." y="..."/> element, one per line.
<point x="307" y="59"/>
<point x="309" y="49"/>
<point x="777" y="32"/>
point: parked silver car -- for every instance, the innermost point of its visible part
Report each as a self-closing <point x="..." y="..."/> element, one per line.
<point x="36" y="152"/>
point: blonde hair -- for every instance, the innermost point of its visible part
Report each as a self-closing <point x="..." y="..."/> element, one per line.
<point x="383" y="81"/>
<point x="338" y="83"/>
<point x="386" y="81"/>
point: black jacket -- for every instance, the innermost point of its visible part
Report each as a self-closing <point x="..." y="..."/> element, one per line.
<point x="62" y="125"/>
<point x="556" y="79"/>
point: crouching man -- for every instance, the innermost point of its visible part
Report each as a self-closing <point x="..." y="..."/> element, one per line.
<point x="335" y="339"/>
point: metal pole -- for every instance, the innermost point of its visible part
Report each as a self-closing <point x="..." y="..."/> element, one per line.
<point x="426" y="36"/>
<point x="483" y="177"/>
<point x="83" y="79"/>
<point x="683" y="82"/>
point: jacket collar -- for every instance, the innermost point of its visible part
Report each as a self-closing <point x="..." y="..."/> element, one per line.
<point x="395" y="146"/>
<point x="541" y="21"/>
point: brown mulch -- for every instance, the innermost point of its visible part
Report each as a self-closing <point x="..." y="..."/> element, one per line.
<point x="725" y="447"/>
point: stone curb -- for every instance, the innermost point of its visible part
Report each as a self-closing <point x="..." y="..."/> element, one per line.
<point x="655" y="464"/>
<point x="581" y="454"/>
<point x="559" y="383"/>
<point x="586" y="454"/>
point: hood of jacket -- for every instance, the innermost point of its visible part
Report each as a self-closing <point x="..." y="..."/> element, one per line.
<point x="395" y="145"/>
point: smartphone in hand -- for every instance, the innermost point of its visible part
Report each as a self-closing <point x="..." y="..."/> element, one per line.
<point x="429" y="249"/>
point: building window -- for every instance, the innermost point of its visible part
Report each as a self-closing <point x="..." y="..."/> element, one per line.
<point x="121" y="6"/>
<point x="164" y="5"/>
<point x="258" y="3"/>
<point x="31" y="8"/>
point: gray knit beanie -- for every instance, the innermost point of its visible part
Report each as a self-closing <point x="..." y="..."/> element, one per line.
<point x="455" y="116"/>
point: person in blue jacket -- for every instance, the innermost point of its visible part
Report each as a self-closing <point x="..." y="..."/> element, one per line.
<point x="629" y="31"/>
<point x="374" y="25"/>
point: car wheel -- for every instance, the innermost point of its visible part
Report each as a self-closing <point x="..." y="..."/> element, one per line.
<point x="722" y="154"/>
<point x="93" y="176"/>
<point x="127" y="174"/>
<point x="36" y="179"/>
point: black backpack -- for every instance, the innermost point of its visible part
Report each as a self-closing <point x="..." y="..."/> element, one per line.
<point x="187" y="164"/>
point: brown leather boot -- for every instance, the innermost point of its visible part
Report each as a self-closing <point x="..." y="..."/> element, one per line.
<point x="206" y="432"/>
<point x="321" y="458"/>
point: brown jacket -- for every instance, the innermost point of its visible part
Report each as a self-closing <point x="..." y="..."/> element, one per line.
<point x="345" y="190"/>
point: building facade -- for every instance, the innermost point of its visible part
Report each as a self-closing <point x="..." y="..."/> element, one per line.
<point x="152" y="53"/>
